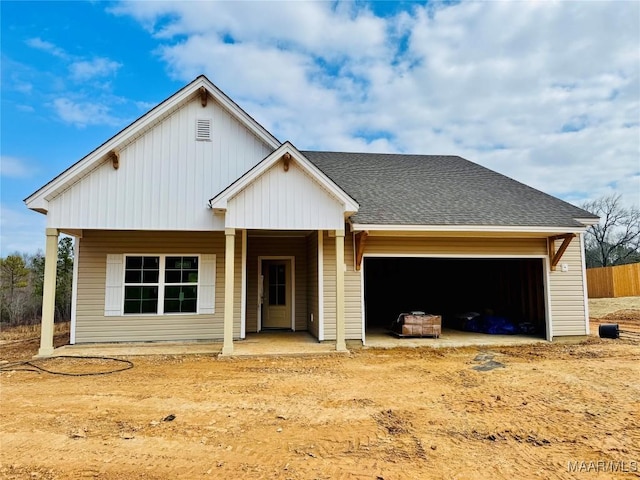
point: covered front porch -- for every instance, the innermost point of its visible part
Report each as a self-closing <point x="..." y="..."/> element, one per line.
<point x="282" y="209"/>
<point x="285" y="277"/>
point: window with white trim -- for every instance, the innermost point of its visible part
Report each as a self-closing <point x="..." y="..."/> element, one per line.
<point x="181" y="285"/>
<point x="141" y="284"/>
<point x="160" y="284"/>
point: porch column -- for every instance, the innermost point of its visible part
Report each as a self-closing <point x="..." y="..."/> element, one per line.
<point x="340" y="330"/>
<point x="49" y="293"/>
<point x="229" y="252"/>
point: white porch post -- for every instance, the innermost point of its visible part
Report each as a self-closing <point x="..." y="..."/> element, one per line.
<point x="49" y="293"/>
<point x="340" y="329"/>
<point x="230" y="236"/>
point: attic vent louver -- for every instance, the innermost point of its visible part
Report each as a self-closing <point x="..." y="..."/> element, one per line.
<point x="203" y="129"/>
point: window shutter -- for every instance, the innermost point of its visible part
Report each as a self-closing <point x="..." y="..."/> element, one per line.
<point x="113" y="286"/>
<point x="203" y="129"/>
<point x="207" y="298"/>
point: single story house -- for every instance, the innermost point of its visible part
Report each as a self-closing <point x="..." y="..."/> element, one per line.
<point x="196" y="223"/>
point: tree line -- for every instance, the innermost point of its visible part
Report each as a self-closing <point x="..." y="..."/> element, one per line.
<point x="21" y="282"/>
<point x="615" y="240"/>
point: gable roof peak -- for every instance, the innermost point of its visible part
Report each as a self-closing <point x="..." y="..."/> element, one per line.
<point x="38" y="200"/>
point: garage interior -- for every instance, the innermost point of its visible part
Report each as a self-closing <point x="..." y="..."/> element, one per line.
<point x="507" y="288"/>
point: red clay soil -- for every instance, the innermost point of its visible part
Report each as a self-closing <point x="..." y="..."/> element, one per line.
<point x="549" y="411"/>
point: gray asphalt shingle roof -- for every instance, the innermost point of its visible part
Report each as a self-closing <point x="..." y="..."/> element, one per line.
<point x="439" y="190"/>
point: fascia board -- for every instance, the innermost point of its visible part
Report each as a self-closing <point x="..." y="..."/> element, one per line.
<point x="359" y="227"/>
<point x="588" y="221"/>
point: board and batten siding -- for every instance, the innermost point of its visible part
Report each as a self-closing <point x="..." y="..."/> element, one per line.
<point x="566" y="290"/>
<point x="284" y="200"/>
<point x="352" y="287"/>
<point x="92" y="326"/>
<point x="278" y="246"/>
<point x="165" y="177"/>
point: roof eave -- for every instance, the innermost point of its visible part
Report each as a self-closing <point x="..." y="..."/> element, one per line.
<point x="359" y="227"/>
<point x="588" y="221"/>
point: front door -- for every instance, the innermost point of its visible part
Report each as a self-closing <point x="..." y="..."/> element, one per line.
<point x="277" y="294"/>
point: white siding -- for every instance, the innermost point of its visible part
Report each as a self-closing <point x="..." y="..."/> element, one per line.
<point x="282" y="200"/>
<point x="568" y="310"/>
<point x="165" y="178"/>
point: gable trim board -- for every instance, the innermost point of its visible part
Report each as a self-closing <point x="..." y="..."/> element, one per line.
<point x="243" y="182"/>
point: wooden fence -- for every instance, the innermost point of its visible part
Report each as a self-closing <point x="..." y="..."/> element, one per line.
<point x="610" y="282"/>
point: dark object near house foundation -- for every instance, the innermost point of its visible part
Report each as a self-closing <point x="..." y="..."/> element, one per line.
<point x="609" y="330"/>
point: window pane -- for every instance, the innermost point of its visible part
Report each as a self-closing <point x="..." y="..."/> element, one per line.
<point x="134" y="263"/>
<point x="281" y="274"/>
<point x="151" y="263"/>
<point x="171" y="292"/>
<point x="150" y="276"/>
<point x="173" y="263"/>
<point x="141" y="270"/>
<point x="133" y="276"/>
<point x="171" y="306"/>
<point x="189" y="306"/>
<point x="189" y="292"/>
<point x="132" y="306"/>
<point x="149" y="306"/>
<point x="172" y="276"/>
<point x="281" y="295"/>
<point x="190" y="263"/>
<point x="181" y="270"/>
<point x="132" y="293"/>
<point x="150" y="293"/>
<point x="180" y="299"/>
<point x="189" y="276"/>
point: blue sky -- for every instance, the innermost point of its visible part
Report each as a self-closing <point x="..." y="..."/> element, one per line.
<point x="547" y="93"/>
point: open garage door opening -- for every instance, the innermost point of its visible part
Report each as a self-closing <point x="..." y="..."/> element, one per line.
<point x="499" y="291"/>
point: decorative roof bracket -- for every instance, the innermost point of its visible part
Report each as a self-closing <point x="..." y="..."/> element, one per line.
<point x="555" y="256"/>
<point x="203" y="96"/>
<point x="115" y="159"/>
<point x="361" y="237"/>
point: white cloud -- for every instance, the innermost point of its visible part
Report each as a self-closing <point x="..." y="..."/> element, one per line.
<point x="84" y="113"/>
<point x="540" y="91"/>
<point x="12" y="167"/>
<point x="46" y="46"/>
<point x="83" y="70"/>
<point x="20" y="230"/>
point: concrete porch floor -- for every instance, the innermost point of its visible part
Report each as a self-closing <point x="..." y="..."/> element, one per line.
<point x="255" y="344"/>
<point x="291" y="343"/>
<point x="448" y="338"/>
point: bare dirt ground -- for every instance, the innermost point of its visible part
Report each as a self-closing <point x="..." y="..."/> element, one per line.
<point x="508" y="413"/>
